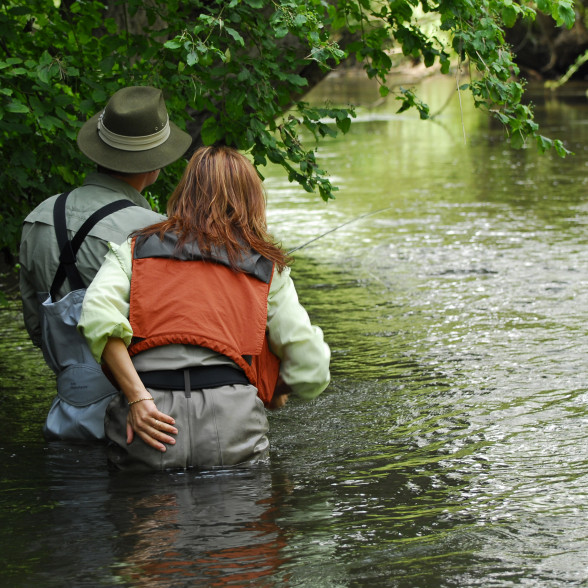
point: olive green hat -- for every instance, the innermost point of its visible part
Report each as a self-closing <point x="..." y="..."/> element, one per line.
<point x="133" y="134"/>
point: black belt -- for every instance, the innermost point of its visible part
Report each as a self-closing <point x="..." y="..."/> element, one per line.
<point x="194" y="378"/>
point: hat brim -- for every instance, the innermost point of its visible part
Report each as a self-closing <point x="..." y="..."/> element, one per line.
<point x="136" y="162"/>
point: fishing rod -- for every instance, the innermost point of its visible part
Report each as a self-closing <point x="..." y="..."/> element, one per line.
<point x="340" y="226"/>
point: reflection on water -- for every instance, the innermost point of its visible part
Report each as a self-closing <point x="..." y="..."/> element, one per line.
<point x="450" y="448"/>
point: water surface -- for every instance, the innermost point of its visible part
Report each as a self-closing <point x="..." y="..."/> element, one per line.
<point x="450" y="448"/>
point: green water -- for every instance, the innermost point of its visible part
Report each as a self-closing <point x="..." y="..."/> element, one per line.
<point x="450" y="448"/>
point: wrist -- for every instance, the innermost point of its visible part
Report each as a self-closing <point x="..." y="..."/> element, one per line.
<point x="140" y="399"/>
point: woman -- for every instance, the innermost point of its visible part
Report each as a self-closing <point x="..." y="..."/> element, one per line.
<point x="198" y="321"/>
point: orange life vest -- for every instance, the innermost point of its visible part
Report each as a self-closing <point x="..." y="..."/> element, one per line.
<point x="179" y="297"/>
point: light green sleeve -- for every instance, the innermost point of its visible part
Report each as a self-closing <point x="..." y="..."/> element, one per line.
<point x="105" y="311"/>
<point x="300" y="346"/>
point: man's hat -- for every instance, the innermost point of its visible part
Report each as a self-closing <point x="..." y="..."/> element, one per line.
<point x="133" y="133"/>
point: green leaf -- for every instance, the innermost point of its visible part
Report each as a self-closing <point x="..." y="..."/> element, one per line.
<point x="173" y="44"/>
<point x="99" y="96"/>
<point x="566" y="15"/>
<point x="560" y="148"/>
<point x="300" y="20"/>
<point x="509" y="16"/>
<point x="344" y="124"/>
<point x="297" y="80"/>
<point x="517" y="140"/>
<point x="17" y="107"/>
<point x="243" y="75"/>
<point x="44" y="74"/>
<point x="50" y="123"/>
<point x="210" y="132"/>
<point x="45" y="59"/>
<point x="281" y="31"/>
<point x="10" y="61"/>
<point x="544" y="144"/>
<point x="543" y="5"/>
<point x="192" y="58"/>
<point x="235" y="34"/>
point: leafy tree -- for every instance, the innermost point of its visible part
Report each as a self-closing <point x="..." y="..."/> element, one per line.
<point x="234" y="71"/>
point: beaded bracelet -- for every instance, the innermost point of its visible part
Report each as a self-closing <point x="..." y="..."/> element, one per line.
<point x="140" y="400"/>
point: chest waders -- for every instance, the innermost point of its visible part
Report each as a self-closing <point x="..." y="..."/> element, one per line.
<point x="83" y="392"/>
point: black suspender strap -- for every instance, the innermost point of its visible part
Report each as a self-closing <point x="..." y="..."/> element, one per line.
<point x="65" y="265"/>
<point x="69" y="249"/>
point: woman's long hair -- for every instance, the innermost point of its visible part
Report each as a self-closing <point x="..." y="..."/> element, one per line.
<point x="220" y="203"/>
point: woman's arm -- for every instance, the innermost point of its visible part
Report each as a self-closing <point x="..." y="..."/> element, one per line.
<point x="105" y="325"/>
<point x="152" y="426"/>
<point x="300" y="345"/>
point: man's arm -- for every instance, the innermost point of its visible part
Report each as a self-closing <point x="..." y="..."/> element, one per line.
<point x="30" y="307"/>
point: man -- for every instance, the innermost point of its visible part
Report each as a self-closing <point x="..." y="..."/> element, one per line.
<point x="130" y="140"/>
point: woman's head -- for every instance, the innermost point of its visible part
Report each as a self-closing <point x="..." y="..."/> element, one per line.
<point x="220" y="202"/>
<point x="219" y="188"/>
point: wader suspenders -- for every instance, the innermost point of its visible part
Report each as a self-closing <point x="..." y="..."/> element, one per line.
<point x="68" y="249"/>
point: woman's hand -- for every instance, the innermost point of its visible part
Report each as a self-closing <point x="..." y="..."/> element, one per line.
<point x="278" y="401"/>
<point x="280" y="397"/>
<point x="152" y="426"/>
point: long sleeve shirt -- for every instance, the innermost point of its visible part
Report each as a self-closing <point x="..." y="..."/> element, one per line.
<point x="300" y="345"/>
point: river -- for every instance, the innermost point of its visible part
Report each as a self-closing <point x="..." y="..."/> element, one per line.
<point x="450" y="449"/>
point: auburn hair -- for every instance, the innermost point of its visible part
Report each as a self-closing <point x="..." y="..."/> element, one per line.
<point x="220" y="203"/>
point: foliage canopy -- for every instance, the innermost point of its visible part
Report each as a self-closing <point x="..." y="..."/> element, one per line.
<point x="233" y="71"/>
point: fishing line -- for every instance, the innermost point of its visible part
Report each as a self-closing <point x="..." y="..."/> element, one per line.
<point x="339" y="226"/>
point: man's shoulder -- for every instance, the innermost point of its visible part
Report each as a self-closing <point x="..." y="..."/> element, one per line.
<point x="43" y="212"/>
<point x="117" y="226"/>
<point x="134" y="217"/>
<point x="87" y="199"/>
